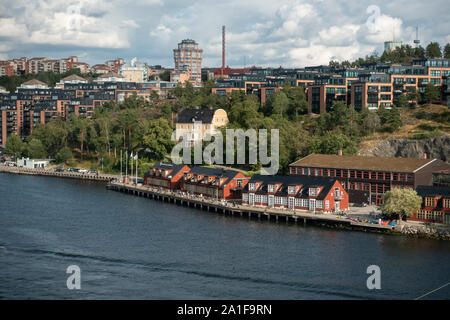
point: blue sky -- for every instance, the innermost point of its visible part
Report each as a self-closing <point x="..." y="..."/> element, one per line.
<point x="259" y="32"/>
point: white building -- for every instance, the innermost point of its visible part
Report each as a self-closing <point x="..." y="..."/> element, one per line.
<point x="134" y="71"/>
<point x="34" y="84"/>
<point x="110" y="77"/>
<point x="32" y="163"/>
<point x="73" y="79"/>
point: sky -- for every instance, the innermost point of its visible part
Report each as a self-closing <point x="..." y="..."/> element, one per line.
<point x="288" y="33"/>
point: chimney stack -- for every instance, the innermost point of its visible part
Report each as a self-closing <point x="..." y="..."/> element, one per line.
<point x="340" y="152"/>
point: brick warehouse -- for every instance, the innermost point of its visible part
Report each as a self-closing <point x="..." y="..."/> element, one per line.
<point x="294" y="192"/>
<point x="366" y="179"/>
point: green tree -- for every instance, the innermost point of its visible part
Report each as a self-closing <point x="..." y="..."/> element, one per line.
<point x="157" y="138"/>
<point x="433" y="50"/>
<point x="370" y="121"/>
<point x="402" y="101"/>
<point x="14" y="146"/>
<point x="447" y="51"/>
<point x="331" y="143"/>
<point x="64" y="155"/>
<point x="399" y="203"/>
<point x="36" y="149"/>
<point x="280" y="103"/>
<point x="432" y="93"/>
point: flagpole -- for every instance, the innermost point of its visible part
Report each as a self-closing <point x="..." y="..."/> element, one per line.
<point x="126" y="167"/>
<point x="121" y="180"/>
<point x="131" y="165"/>
<point x="136" y="166"/>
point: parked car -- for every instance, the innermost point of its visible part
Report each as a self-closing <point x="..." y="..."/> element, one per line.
<point x="72" y="170"/>
<point x="93" y="171"/>
<point x="82" y="171"/>
<point x="59" y="169"/>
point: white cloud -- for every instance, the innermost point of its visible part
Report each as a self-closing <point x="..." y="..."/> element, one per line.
<point x="264" y="32"/>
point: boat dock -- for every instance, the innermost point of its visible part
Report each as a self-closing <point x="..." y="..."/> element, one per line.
<point x="250" y="212"/>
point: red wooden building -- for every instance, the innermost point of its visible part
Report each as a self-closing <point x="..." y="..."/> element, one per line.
<point x="435" y="205"/>
<point x="303" y="193"/>
<point x="214" y="183"/>
<point x="165" y="175"/>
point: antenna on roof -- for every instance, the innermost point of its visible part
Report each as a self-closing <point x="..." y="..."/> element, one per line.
<point x="417" y="41"/>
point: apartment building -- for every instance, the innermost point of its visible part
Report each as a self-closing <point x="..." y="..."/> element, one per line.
<point x="134" y="71"/>
<point x="41" y="64"/>
<point x="188" y="58"/>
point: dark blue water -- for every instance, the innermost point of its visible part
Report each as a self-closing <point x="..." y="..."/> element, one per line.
<point x="133" y="248"/>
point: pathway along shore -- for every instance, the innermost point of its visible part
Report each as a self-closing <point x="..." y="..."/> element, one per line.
<point x="236" y="209"/>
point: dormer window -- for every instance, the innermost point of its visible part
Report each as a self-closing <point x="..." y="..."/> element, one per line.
<point x="291" y="189"/>
<point x="312" y="192"/>
<point x="271" y="188"/>
<point x="251" y="186"/>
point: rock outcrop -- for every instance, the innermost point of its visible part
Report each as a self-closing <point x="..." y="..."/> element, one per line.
<point x="438" y="147"/>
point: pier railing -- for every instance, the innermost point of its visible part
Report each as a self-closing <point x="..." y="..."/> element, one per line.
<point x="234" y="207"/>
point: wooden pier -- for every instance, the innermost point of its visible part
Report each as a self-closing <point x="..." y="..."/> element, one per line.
<point x="246" y="211"/>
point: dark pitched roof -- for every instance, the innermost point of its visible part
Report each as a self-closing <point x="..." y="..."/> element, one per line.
<point x="191" y="115"/>
<point x="432" y="191"/>
<point x="306" y="182"/>
<point x="167" y="166"/>
<point x="362" y="162"/>
<point x="221" y="173"/>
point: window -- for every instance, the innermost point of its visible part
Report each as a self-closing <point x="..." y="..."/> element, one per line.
<point x="312" y="192"/>
<point x="446" y="203"/>
<point x="271" y="188"/>
<point x="327" y="204"/>
<point x="435" y="81"/>
<point x="251" y="187"/>
<point x="429" y="202"/>
<point x="291" y="189"/>
<point x="435" y="73"/>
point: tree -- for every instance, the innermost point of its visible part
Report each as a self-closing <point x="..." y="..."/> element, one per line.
<point x="157" y="138"/>
<point x="331" y="143"/>
<point x="432" y="93"/>
<point x="400" y="203"/>
<point x="413" y="95"/>
<point x="447" y="51"/>
<point x="36" y="149"/>
<point x="402" y="101"/>
<point x="64" y="155"/>
<point x="280" y="103"/>
<point x="14" y="146"/>
<point x="370" y="121"/>
<point x="433" y="50"/>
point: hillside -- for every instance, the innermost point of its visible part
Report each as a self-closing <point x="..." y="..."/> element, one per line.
<point x="425" y="130"/>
